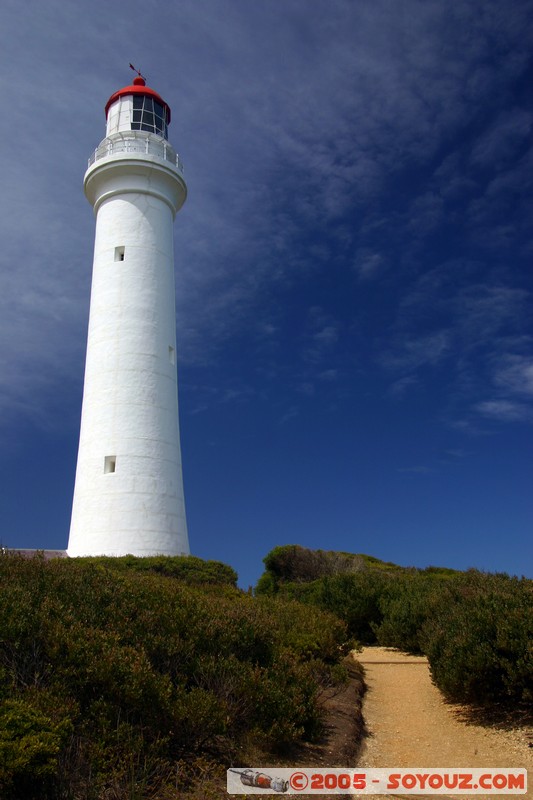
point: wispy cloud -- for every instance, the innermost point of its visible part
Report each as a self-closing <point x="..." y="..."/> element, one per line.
<point x="291" y="413"/>
<point x="482" y="344"/>
<point x="514" y="374"/>
<point x="505" y="410"/>
<point x="498" y="144"/>
<point x="294" y="125"/>
<point x="326" y="336"/>
<point x="457" y="453"/>
<point x="411" y="352"/>
<point x="368" y="264"/>
<point x="483" y="311"/>
<point x="328" y="375"/>
<point x="513" y="379"/>
<point x="400" y="388"/>
<point x="320" y="336"/>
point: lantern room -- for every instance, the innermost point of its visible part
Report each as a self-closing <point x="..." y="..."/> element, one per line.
<point x="137" y="108"/>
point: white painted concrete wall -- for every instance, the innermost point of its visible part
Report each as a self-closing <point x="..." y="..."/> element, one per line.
<point x="130" y="401"/>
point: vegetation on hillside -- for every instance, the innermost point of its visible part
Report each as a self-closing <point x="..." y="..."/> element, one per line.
<point x="192" y="570"/>
<point x="144" y="678"/>
<point x="475" y="628"/>
<point x="126" y="678"/>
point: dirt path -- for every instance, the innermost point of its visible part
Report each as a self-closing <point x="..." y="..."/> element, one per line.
<point x="410" y="725"/>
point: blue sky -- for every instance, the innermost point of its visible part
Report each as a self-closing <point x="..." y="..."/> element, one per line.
<point x="353" y="268"/>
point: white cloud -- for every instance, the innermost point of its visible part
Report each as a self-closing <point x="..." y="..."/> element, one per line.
<point x="483" y="345"/>
<point x="413" y="352"/>
<point x="400" y="387"/>
<point x="288" y="119"/>
<point x="500" y="141"/>
<point x="457" y="453"/>
<point x="326" y="336"/>
<point x="505" y="410"/>
<point x="515" y="375"/>
<point x="328" y="375"/>
<point x="291" y="413"/>
<point x="368" y="264"/>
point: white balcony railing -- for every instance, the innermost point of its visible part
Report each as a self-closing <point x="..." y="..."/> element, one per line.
<point x="137" y="142"/>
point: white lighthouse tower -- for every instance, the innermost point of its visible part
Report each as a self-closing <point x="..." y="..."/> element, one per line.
<point x="128" y="496"/>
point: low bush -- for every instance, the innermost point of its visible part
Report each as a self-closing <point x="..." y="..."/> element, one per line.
<point x="30" y="744"/>
<point x="475" y="628"/>
<point x="292" y="563"/>
<point x="111" y="676"/>
<point x="405" y="605"/>
<point x="188" y="569"/>
<point x="478" y="640"/>
<point x="352" y="597"/>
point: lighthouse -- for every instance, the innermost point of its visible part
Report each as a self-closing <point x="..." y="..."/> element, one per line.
<point x="128" y="494"/>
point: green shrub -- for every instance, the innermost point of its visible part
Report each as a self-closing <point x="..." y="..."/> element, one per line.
<point x="353" y="598"/>
<point x="475" y="628"/>
<point x="405" y="605"/>
<point x="478" y="640"/>
<point x="292" y="563"/>
<point x="287" y="709"/>
<point x="151" y="671"/>
<point x="30" y="744"/>
<point x="188" y="569"/>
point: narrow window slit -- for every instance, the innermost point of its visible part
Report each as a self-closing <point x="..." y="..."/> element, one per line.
<point x="119" y="253"/>
<point x="110" y="464"/>
<point x="172" y="355"/>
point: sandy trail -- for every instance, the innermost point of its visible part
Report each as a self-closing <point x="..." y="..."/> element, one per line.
<point x="410" y="725"/>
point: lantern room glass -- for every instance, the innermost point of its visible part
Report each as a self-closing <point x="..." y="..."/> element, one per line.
<point x="149" y="115"/>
